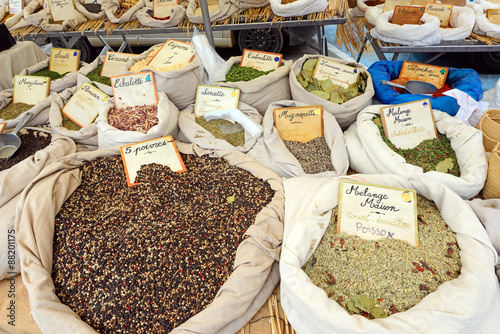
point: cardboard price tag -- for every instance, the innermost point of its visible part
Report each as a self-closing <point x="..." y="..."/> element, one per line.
<point x="64" y="60"/>
<point x="423" y="72"/>
<point x="61" y="10"/>
<point x="340" y="74"/>
<point x="493" y="15"/>
<point x="209" y="98"/>
<point x="30" y="89"/>
<point x="441" y="11"/>
<point x="407" y="15"/>
<point x="390" y="4"/>
<point x="374" y="212"/>
<point x="16" y="6"/>
<point x="134" y="89"/>
<point x="260" y="60"/>
<point x="406" y="125"/>
<point x="114" y="62"/>
<point x="161" y="151"/>
<point x="299" y="123"/>
<point x="172" y="53"/>
<point x="162" y="9"/>
<point x="83" y="107"/>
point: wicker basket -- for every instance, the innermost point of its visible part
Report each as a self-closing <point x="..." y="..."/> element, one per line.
<point x="489" y="125"/>
<point x="492" y="185"/>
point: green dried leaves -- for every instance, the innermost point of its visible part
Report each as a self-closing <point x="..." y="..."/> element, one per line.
<point x="361" y="304"/>
<point x="445" y="165"/>
<point x="230" y="199"/>
<point x="243" y="73"/>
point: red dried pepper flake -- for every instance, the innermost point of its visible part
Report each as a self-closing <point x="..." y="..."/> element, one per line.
<point x="423" y="287"/>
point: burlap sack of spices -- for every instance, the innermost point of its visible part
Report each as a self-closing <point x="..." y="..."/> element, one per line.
<point x="36" y="11"/>
<point x="81" y="76"/>
<point x="489" y="124"/>
<point x="192" y="132"/>
<point x="272" y="152"/>
<point x="255" y="269"/>
<point x="114" y="11"/>
<point x="462" y="21"/>
<point x="40" y="110"/>
<point x="298" y="7"/>
<point x="245" y="4"/>
<point x="262" y="91"/>
<point x="12" y="183"/>
<point x="467" y="304"/>
<point x="58" y="85"/>
<point x="483" y="26"/>
<point x="80" y="7"/>
<point x="369" y="154"/>
<point x="16" y="21"/>
<point x="109" y="136"/>
<point x="345" y="113"/>
<point x="146" y="18"/>
<point x="85" y="136"/>
<point x="492" y="185"/>
<point x="179" y="85"/>
<point x="49" y="25"/>
<point x="218" y="10"/>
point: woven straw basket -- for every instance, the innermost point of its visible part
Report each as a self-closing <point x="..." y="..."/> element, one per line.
<point x="492" y="185"/>
<point x="489" y="125"/>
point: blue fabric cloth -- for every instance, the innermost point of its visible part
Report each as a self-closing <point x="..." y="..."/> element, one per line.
<point x="464" y="79"/>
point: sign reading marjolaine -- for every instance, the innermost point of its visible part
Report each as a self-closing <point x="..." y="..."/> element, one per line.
<point x="64" y="60"/>
<point x="441" y="11"/>
<point x="436" y="75"/>
<point x="114" y="63"/>
<point x="374" y="212"/>
<point x="62" y="10"/>
<point x="210" y="98"/>
<point x="340" y="74"/>
<point x="135" y="89"/>
<point x="299" y="123"/>
<point x="172" y="53"/>
<point x="30" y="89"/>
<point x="406" y="125"/>
<point x="160" y="151"/>
<point x="83" y="107"/>
<point x="162" y="9"/>
<point x="260" y="60"/>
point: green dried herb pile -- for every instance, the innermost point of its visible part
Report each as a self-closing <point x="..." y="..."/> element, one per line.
<point x="214" y="127"/>
<point x="13" y="110"/>
<point x="314" y="156"/>
<point x="51" y="74"/>
<point x="95" y="76"/>
<point x="69" y="124"/>
<point x="243" y="73"/>
<point x="377" y="278"/>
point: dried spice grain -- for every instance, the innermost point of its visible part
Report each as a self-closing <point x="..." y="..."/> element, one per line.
<point x="95" y="76"/>
<point x="51" y="74"/>
<point x="93" y="7"/>
<point x="214" y="127"/>
<point x="13" y="110"/>
<point x="146" y="259"/>
<point x="244" y="73"/>
<point x="138" y="118"/>
<point x="314" y="156"/>
<point x="31" y="142"/>
<point x="392" y="273"/>
<point x="142" y="64"/>
<point x="69" y="124"/>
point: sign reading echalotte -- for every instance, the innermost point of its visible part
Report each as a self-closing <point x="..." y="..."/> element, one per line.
<point x="423" y="72"/>
<point x="390" y="4"/>
<point x="407" y="15"/>
<point x="441" y="11"/>
<point x="135" y="89"/>
<point x="15" y="6"/>
<point x="406" y="125"/>
<point x="260" y="60"/>
<point x="340" y="74"/>
<point x="83" y="107"/>
<point x="62" y="10"/>
<point x="160" y="151"/>
<point x="210" y="98"/>
<point x="172" y="53"/>
<point x="162" y="9"/>
<point x="30" y="89"/>
<point x="114" y="62"/>
<point x="493" y="15"/>
<point x="374" y="212"/>
<point x="2" y="126"/>
<point x="64" y="60"/>
<point x="299" y="123"/>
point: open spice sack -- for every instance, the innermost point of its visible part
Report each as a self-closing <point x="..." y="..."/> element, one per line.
<point x="146" y="15"/>
<point x="169" y="80"/>
<point x="36" y="11"/>
<point x="39" y="148"/>
<point x="261" y="91"/>
<point x="348" y="102"/>
<point x="483" y="26"/>
<point x="158" y="277"/>
<point x="92" y="73"/>
<point x="12" y="21"/>
<point x="370" y="154"/>
<point x="118" y="14"/>
<point x="462" y="21"/>
<point x="49" y="25"/>
<point x="11" y="113"/>
<point x="218" y="10"/>
<point x="464" y="299"/>
<point x="219" y="133"/>
<point x="92" y="11"/>
<point x="324" y="156"/>
<point x="298" y="7"/>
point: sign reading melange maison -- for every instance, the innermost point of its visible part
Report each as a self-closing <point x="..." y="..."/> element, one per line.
<point x="135" y="89"/>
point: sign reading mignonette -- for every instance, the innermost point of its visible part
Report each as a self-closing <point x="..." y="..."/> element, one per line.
<point x="161" y="151"/>
<point x="209" y="98"/>
<point x="260" y="60"/>
<point x="406" y="125"/>
<point x="83" y="107"/>
<point x="134" y="89"/>
<point x="30" y="89"/>
<point x="340" y="74"/>
<point x="64" y="60"/>
<point x="299" y="123"/>
<point x="374" y="212"/>
<point x="114" y="62"/>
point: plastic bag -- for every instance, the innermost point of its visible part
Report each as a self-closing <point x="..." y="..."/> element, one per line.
<point x="210" y="61"/>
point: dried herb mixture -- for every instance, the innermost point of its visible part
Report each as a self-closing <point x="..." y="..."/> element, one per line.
<point x="214" y="127"/>
<point x="244" y="73"/>
<point x="138" y="118"/>
<point x="51" y="74"/>
<point x="31" y="142"/>
<point x="95" y="76"/>
<point x="13" y="110"/>
<point x="314" y="156"/>
<point x="69" y="124"/>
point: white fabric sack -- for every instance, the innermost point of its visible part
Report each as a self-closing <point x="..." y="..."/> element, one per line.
<point x="361" y="6"/>
<point x="69" y="80"/>
<point x="483" y="25"/>
<point x="467" y="304"/>
<point x="33" y="15"/>
<point x="344" y="113"/>
<point x="225" y="10"/>
<point x="364" y="143"/>
<point x="298" y="8"/>
<point x="86" y="136"/>
<point x="112" y="6"/>
<point x="81" y="76"/>
<point x="180" y="85"/>
<point x="48" y="25"/>
<point x="245" y="4"/>
<point x="373" y="13"/>
<point x="145" y="15"/>
<point x="4" y="10"/>
<point x="262" y="91"/>
<point x="109" y="136"/>
<point x="40" y="110"/>
<point x="14" y="22"/>
<point x="79" y="5"/>
<point x="192" y="132"/>
<point x="272" y="152"/>
<point x="407" y="34"/>
<point x="462" y="22"/>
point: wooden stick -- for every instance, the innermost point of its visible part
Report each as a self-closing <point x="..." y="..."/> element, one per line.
<point x="273" y="326"/>
<point x="275" y="304"/>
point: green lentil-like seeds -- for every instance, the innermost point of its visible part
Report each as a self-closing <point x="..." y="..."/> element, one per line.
<point x="51" y="74"/>
<point x="95" y="76"/>
<point x="314" y="156"/>
<point x="243" y="73"/>
<point x="236" y="139"/>
<point x="69" y="124"/>
<point x="13" y="110"/>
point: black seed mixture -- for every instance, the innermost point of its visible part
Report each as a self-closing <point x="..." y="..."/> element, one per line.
<point x="31" y="142"/>
<point x="146" y="259"/>
<point x="314" y="156"/>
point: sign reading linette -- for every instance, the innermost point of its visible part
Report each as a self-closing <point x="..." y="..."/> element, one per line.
<point x="374" y="212"/>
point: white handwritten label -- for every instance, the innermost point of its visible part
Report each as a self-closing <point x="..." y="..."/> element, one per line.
<point x="210" y="98"/>
<point x="340" y="74"/>
<point x="442" y="11"/>
<point x="30" y="89"/>
<point x="15" y="6"/>
<point x="172" y="53"/>
<point x="82" y="107"/>
<point x="134" y="89"/>
<point x="62" y="10"/>
<point x="406" y="125"/>
<point x="299" y="123"/>
<point x="114" y="63"/>
<point x="2" y="126"/>
<point x="64" y="60"/>
<point x="260" y="60"/>
<point x="162" y="9"/>
<point x="161" y="151"/>
<point x="374" y="212"/>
